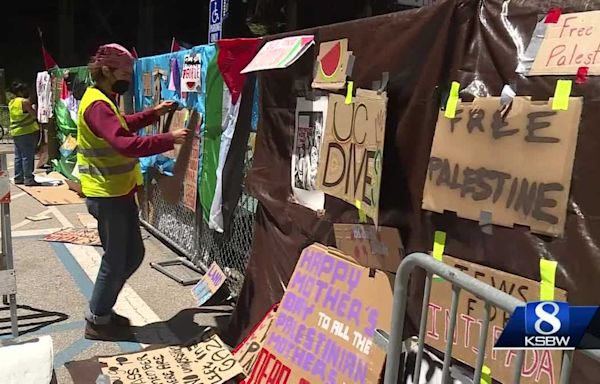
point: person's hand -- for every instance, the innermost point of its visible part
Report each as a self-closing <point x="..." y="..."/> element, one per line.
<point x="165" y="107"/>
<point x="180" y="135"/>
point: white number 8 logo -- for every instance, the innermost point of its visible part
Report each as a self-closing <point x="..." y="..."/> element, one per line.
<point x="547" y="317"/>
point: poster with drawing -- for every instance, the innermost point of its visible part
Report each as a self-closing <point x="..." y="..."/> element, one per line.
<point x="308" y="139"/>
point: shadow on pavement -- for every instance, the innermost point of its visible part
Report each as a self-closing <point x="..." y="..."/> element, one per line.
<point x="34" y="320"/>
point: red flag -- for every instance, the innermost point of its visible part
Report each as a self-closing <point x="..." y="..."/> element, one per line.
<point x="134" y="53"/>
<point x="175" y="46"/>
<point x="49" y="61"/>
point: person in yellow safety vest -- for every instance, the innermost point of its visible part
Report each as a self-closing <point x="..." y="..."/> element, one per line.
<point x="24" y="130"/>
<point x="107" y="157"/>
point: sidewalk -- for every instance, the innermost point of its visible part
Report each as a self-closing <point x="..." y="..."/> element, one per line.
<point x="54" y="281"/>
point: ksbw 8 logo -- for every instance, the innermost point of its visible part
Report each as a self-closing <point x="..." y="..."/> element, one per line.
<point x="547" y="324"/>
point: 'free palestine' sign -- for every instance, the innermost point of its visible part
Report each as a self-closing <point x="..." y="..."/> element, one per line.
<point x="571" y="43"/>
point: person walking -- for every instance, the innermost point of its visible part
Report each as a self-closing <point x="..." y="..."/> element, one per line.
<point x="24" y="130"/>
<point x="108" y="152"/>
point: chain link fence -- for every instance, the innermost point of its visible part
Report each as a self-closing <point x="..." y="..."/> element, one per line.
<point x="187" y="232"/>
<point x="4" y="125"/>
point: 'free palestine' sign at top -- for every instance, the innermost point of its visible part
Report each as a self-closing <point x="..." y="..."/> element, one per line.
<point x="570" y="43"/>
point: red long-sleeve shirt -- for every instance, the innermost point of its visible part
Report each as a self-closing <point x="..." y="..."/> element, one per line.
<point x="104" y="123"/>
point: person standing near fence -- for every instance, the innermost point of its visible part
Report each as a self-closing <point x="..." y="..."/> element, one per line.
<point x="108" y="152"/>
<point x="24" y="130"/>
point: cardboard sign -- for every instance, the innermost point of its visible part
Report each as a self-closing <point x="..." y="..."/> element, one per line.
<point x="540" y="366"/>
<point x="147" y="82"/>
<point x="569" y="44"/>
<point x="190" y="181"/>
<point x="4" y="187"/>
<point x="280" y="53"/>
<point x="308" y="141"/>
<point x="515" y="165"/>
<point x="209" y="284"/>
<point x="325" y="325"/>
<point x="191" y="73"/>
<point x="352" y="153"/>
<point x="332" y="65"/>
<point x="247" y="351"/>
<point x="178" y="122"/>
<point x="208" y="362"/>
<point x="379" y="248"/>
<point x="75" y="236"/>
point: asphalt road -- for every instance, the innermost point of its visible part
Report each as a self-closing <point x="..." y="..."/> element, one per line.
<point x="55" y="280"/>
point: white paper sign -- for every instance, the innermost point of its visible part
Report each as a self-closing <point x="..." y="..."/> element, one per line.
<point x="4" y="187"/>
<point x="190" y="75"/>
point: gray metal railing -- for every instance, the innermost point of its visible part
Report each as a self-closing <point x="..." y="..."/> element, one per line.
<point x="459" y="281"/>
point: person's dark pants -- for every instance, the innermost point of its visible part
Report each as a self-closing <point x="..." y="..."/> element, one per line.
<point x="119" y="229"/>
<point x="25" y="157"/>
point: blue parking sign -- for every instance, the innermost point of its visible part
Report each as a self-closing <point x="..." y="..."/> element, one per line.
<point x="215" y="20"/>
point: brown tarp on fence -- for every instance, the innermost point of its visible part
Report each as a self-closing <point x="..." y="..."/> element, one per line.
<point x="422" y="49"/>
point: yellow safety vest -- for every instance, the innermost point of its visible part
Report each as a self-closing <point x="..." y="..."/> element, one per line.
<point x="103" y="171"/>
<point x="21" y="121"/>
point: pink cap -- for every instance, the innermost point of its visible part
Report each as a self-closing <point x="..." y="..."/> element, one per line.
<point x="113" y="56"/>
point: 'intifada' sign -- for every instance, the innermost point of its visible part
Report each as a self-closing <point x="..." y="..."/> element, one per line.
<point x="515" y="164"/>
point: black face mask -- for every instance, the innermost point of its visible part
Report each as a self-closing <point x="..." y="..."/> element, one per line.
<point x="120" y="86"/>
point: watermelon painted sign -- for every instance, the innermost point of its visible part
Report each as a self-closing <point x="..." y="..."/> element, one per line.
<point x="190" y="75"/>
<point x="332" y="65"/>
<point x="350" y="161"/>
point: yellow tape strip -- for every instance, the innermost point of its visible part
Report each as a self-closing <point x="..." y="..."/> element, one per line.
<point x="349" y="92"/>
<point x="439" y="243"/>
<point x="452" y="102"/>
<point x="486" y="375"/>
<point x="561" y="95"/>
<point x="362" y="216"/>
<point x="547" y="279"/>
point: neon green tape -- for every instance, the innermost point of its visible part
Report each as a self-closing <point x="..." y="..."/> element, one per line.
<point x="486" y="375"/>
<point x="561" y="95"/>
<point x="362" y="216"/>
<point x="439" y="243"/>
<point x="452" y="102"/>
<point x="547" y="279"/>
<point x="349" y="92"/>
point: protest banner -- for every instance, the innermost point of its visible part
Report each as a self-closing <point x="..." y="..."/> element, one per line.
<point x="308" y="141"/>
<point x="280" y="53"/>
<point x="190" y="181"/>
<point x="207" y="362"/>
<point x="351" y="157"/>
<point x="379" y="248"/>
<point x="569" y="44"/>
<point x="209" y="284"/>
<point x="325" y="325"/>
<point x="513" y="163"/>
<point x="191" y="73"/>
<point x="540" y="366"/>
<point x="247" y="351"/>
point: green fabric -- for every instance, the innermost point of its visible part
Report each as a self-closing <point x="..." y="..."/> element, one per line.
<point x="211" y="141"/>
<point x="65" y="125"/>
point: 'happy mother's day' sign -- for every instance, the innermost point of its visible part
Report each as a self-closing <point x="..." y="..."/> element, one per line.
<point x="515" y="165"/>
<point x="324" y="327"/>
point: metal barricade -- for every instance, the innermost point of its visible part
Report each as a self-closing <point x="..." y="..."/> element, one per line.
<point x="460" y="281"/>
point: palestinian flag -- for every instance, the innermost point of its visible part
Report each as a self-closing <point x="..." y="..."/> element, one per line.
<point x="224" y="86"/>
